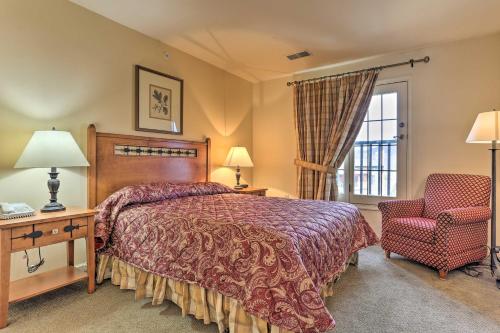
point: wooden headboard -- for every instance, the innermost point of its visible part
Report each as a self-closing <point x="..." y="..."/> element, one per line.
<point x="119" y="160"/>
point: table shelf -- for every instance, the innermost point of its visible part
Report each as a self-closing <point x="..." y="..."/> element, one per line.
<point x="44" y="282"/>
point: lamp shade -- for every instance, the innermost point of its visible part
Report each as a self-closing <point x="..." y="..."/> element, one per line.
<point x="47" y="149"/>
<point x="238" y="157"/>
<point x="486" y="128"/>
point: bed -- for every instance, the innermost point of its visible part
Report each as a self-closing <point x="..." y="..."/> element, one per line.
<point x="246" y="263"/>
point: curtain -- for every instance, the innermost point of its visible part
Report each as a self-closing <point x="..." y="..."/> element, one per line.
<point x="328" y="115"/>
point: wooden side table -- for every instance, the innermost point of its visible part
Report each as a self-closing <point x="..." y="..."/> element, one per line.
<point x="253" y="191"/>
<point x="41" y="230"/>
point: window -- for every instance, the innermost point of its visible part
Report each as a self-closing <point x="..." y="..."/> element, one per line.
<point x="376" y="166"/>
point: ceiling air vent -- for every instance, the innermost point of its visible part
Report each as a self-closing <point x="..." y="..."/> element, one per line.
<point x="298" y="55"/>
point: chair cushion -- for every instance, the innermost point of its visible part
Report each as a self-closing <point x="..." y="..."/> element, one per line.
<point x="418" y="228"/>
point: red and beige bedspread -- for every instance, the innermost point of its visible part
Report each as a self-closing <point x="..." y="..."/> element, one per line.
<point x="271" y="254"/>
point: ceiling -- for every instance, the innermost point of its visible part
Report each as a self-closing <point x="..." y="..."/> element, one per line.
<point x="252" y="38"/>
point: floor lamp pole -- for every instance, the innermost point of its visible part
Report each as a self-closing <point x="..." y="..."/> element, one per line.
<point x="494" y="250"/>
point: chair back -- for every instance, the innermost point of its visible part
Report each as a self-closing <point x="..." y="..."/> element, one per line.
<point x="447" y="191"/>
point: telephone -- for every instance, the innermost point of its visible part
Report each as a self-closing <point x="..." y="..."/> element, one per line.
<point x="15" y="210"/>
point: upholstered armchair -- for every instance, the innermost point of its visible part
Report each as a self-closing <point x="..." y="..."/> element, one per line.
<point x="446" y="229"/>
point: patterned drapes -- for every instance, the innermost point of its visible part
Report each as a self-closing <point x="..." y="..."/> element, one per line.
<point x="328" y="116"/>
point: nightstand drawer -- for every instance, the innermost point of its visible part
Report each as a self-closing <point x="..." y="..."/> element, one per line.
<point x="52" y="232"/>
<point x="41" y="235"/>
<point x="19" y="242"/>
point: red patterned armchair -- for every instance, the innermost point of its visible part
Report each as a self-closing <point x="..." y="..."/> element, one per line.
<point x="446" y="229"/>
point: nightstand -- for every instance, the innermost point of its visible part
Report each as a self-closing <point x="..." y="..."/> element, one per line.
<point x="252" y="191"/>
<point x="41" y="230"/>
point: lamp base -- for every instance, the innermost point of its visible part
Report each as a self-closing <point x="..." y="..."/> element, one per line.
<point x="53" y="184"/>
<point x="52" y="207"/>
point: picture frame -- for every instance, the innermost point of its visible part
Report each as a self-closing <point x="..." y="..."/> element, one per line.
<point x="158" y="101"/>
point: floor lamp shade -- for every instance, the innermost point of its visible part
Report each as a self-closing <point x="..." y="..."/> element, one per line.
<point x="52" y="149"/>
<point x="486" y="130"/>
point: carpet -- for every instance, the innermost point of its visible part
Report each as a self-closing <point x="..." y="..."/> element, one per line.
<point x="379" y="295"/>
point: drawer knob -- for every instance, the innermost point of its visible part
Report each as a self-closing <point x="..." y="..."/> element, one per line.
<point x="34" y="234"/>
<point x="70" y="228"/>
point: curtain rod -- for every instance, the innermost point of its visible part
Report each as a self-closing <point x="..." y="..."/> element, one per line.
<point x="410" y="62"/>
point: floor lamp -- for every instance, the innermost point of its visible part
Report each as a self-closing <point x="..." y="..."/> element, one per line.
<point x="486" y="130"/>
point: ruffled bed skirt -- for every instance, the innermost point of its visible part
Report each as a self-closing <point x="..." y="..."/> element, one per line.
<point x="204" y="304"/>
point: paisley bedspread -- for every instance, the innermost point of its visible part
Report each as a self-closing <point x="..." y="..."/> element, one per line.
<point x="271" y="254"/>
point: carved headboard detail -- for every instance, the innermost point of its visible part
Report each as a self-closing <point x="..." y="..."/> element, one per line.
<point x="118" y="160"/>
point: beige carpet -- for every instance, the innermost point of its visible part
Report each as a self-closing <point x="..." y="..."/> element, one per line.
<point x="378" y="296"/>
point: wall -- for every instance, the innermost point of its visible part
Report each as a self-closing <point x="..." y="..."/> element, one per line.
<point x="445" y="95"/>
<point x="64" y="66"/>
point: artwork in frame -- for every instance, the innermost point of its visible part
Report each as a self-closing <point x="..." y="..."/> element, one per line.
<point x="158" y="101"/>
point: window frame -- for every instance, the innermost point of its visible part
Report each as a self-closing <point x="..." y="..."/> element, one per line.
<point x="383" y="87"/>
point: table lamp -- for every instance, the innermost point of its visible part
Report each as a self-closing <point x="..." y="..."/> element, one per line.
<point x="52" y="149"/>
<point x="238" y="157"/>
<point x="486" y="129"/>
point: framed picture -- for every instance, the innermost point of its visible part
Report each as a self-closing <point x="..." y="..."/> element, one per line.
<point x="158" y="101"/>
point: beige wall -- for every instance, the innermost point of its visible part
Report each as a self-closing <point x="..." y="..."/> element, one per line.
<point x="462" y="79"/>
<point x="63" y="66"/>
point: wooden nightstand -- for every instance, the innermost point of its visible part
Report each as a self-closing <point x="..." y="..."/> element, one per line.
<point x="41" y="230"/>
<point x="253" y="191"/>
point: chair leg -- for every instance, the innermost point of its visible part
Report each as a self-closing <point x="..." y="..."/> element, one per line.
<point x="388" y="254"/>
<point x="442" y="275"/>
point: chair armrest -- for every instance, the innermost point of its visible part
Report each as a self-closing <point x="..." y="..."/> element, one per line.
<point x="401" y="208"/>
<point x="466" y="215"/>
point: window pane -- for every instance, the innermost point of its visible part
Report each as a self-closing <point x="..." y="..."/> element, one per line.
<point x="389" y="129"/>
<point x="362" y="135"/>
<point x="374" y="183"/>
<point x="390" y="106"/>
<point x="385" y="182"/>
<point x="341" y="180"/>
<point x="375" y="157"/>
<point x="357" y="182"/>
<point x="393" y="183"/>
<point x="394" y="157"/>
<point x="374" y="110"/>
<point x="374" y="130"/>
<point x="361" y="165"/>
<point x="357" y="157"/>
<point x="365" y="161"/>
<point x="364" y="183"/>
<point x="361" y="157"/>
<point x="385" y="158"/>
